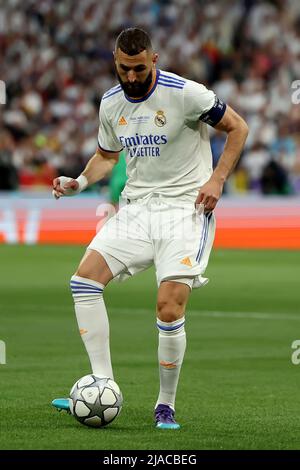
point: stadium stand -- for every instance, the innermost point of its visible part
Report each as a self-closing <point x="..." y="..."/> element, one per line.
<point x="56" y="62"/>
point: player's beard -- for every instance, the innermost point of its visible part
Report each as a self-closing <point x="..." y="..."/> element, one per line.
<point x="136" y="89"/>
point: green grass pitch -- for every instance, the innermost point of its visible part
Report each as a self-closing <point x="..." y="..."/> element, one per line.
<point x="238" y="387"/>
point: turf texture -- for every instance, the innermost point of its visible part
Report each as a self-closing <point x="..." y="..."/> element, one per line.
<point x="238" y="389"/>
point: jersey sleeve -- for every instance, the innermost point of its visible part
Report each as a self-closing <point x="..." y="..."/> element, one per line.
<point x="202" y="104"/>
<point x="107" y="139"/>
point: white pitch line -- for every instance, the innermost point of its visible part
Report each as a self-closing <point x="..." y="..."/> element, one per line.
<point x="217" y="314"/>
<point x="142" y="311"/>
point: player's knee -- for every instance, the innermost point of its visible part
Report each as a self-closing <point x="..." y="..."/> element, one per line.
<point x="94" y="267"/>
<point x="171" y="301"/>
<point x="86" y="274"/>
<point x="169" y="310"/>
<point x="94" y="274"/>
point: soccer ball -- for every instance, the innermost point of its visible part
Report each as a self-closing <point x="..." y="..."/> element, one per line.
<point x="95" y="401"/>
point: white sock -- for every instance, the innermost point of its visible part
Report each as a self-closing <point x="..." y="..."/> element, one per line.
<point x="171" y="349"/>
<point x="93" y="323"/>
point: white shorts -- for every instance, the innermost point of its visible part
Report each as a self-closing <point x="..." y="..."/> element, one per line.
<point x="166" y="232"/>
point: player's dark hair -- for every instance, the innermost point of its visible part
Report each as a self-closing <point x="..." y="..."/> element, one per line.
<point x="132" y="41"/>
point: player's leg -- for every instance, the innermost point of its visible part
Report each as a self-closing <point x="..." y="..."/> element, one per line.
<point x="182" y="256"/>
<point x="171" y="303"/>
<point x="94" y="266"/>
<point x="87" y="287"/>
<point x="120" y="247"/>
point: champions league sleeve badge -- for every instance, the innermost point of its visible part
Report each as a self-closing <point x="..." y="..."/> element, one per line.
<point x="160" y="118"/>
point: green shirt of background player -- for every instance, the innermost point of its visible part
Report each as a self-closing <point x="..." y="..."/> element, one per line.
<point x="117" y="180"/>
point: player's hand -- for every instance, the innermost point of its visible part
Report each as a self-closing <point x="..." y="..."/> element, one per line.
<point x="209" y="194"/>
<point x="64" y="186"/>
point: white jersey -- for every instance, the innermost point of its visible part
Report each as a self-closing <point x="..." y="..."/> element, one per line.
<point x="167" y="145"/>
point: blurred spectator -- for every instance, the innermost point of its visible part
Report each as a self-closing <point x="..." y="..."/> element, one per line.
<point x="254" y="162"/>
<point x="283" y="148"/>
<point x="274" y="180"/>
<point x="8" y="172"/>
<point x="217" y="143"/>
<point x="56" y="61"/>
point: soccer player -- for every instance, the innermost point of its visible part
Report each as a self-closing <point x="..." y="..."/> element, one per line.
<point x="160" y="119"/>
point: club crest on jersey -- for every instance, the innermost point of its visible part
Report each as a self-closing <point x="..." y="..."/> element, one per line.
<point x="160" y="118"/>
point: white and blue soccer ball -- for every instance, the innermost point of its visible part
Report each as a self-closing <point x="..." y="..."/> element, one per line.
<point x="95" y="401"/>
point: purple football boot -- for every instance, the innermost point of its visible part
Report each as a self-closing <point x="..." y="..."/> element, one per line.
<point x="164" y="417"/>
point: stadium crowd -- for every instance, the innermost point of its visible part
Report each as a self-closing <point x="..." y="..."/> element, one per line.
<point x="56" y="62"/>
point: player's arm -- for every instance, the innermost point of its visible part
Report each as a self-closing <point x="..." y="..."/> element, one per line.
<point x="99" y="166"/>
<point x="237" y="131"/>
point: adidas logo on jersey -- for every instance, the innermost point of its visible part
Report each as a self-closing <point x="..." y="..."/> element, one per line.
<point x="186" y="261"/>
<point x="122" y="121"/>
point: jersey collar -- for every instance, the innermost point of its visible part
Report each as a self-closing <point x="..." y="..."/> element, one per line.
<point x="139" y="100"/>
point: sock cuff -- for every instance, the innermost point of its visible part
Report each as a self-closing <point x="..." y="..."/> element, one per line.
<point x="87" y="281"/>
<point x="170" y="327"/>
<point x="83" y="286"/>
